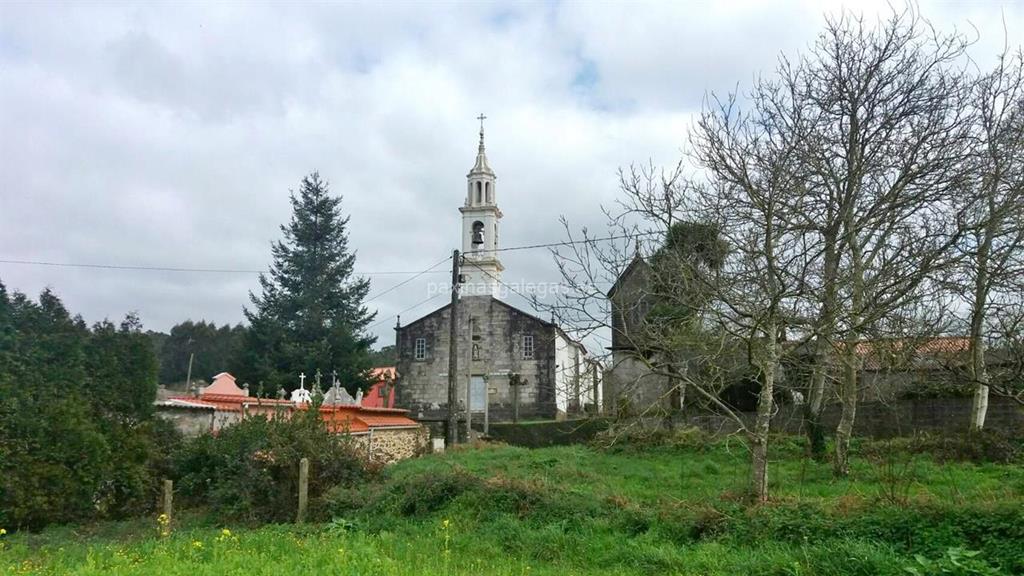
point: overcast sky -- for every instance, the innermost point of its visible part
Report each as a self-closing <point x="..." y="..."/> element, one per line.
<point x="170" y="135"/>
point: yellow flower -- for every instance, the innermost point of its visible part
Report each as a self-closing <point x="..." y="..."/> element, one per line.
<point x="2" y="531"/>
<point x="197" y="544"/>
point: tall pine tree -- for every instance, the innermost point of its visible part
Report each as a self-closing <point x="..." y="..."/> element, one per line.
<point x="310" y="315"/>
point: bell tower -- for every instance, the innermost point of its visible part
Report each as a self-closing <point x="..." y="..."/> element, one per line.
<point x="480" y="215"/>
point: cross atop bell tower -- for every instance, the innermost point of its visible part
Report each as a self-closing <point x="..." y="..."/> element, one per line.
<point x="480" y="216"/>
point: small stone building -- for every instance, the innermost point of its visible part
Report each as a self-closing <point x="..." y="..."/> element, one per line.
<point x="629" y="385"/>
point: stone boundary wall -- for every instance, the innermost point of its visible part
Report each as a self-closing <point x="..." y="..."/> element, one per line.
<point x="387" y="445"/>
<point x="883" y="419"/>
<point x="553" y="433"/>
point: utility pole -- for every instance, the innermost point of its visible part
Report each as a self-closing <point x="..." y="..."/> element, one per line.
<point x="487" y="405"/>
<point x="191" y="354"/>
<point x="451" y="433"/>
<point x="469" y="390"/>
<point x="514" y="383"/>
<point x="188" y="379"/>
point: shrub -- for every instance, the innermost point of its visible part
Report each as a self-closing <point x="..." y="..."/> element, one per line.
<point x="926" y="530"/>
<point x="634" y="438"/>
<point x="249" y="471"/>
<point x="134" y="480"/>
<point x="977" y="446"/>
<point x="423" y="495"/>
<point x="553" y="433"/>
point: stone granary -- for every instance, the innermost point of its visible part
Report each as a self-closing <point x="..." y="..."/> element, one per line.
<point x="511" y="363"/>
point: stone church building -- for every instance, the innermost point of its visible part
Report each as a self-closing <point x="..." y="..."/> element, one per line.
<point x="511" y="363"/>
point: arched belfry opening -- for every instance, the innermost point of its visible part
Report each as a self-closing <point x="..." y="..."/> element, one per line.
<point x="478" y="233"/>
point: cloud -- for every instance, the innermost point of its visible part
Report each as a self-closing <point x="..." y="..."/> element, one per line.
<point x="170" y="135"/>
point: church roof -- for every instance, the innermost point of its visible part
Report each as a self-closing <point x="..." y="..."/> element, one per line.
<point x="637" y="263"/>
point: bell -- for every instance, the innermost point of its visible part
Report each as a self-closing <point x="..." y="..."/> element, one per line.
<point x="478" y="236"/>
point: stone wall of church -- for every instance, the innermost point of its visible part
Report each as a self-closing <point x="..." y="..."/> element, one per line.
<point x="631" y="389"/>
<point x="497" y="330"/>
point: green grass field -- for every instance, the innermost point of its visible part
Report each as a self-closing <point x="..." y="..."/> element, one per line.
<point x="576" y="510"/>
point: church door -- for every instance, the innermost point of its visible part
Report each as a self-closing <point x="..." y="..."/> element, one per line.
<point x="477" y="393"/>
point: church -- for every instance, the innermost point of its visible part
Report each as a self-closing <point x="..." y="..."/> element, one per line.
<point x="511" y="364"/>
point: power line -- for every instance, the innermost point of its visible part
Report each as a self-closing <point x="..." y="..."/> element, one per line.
<point x="406" y="281"/>
<point x="399" y="313"/>
<point x="498" y="280"/>
<point x="572" y="242"/>
<point x="177" y="269"/>
<point x="250" y="271"/>
<point x="124" y="267"/>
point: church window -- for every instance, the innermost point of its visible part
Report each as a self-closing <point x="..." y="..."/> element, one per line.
<point x="528" y="347"/>
<point x="479" y="193"/>
<point x="487" y="190"/>
<point x="420" y="350"/>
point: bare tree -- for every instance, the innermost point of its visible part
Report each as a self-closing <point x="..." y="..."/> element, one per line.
<point x="993" y="264"/>
<point x="1006" y="331"/>
<point x="836" y="185"/>
<point x="658" y="325"/>
<point x="750" y="159"/>
<point x="701" y="313"/>
<point x="885" y="151"/>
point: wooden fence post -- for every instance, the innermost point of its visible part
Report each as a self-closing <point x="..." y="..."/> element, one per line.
<point x="168" y="499"/>
<point x="303" y="489"/>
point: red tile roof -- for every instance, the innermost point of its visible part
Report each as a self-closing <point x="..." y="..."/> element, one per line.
<point x="224" y="384"/>
<point x="911" y="352"/>
<point x="351" y="418"/>
<point x="345" y="422"/>
<point x="386" y="420"/>
<point x="382" y="372"/>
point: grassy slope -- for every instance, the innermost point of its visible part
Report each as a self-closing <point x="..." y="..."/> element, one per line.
<point x="572" y="510"/>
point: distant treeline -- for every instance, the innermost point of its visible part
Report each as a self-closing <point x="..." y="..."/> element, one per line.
<point x="215" y="350"/>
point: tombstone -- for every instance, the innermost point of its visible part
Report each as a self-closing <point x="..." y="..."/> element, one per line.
<point x="300" y="395"/>
<point x="338" y="396"/>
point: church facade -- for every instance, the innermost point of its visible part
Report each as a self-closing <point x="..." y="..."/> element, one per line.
<point x="511" y="364"/>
